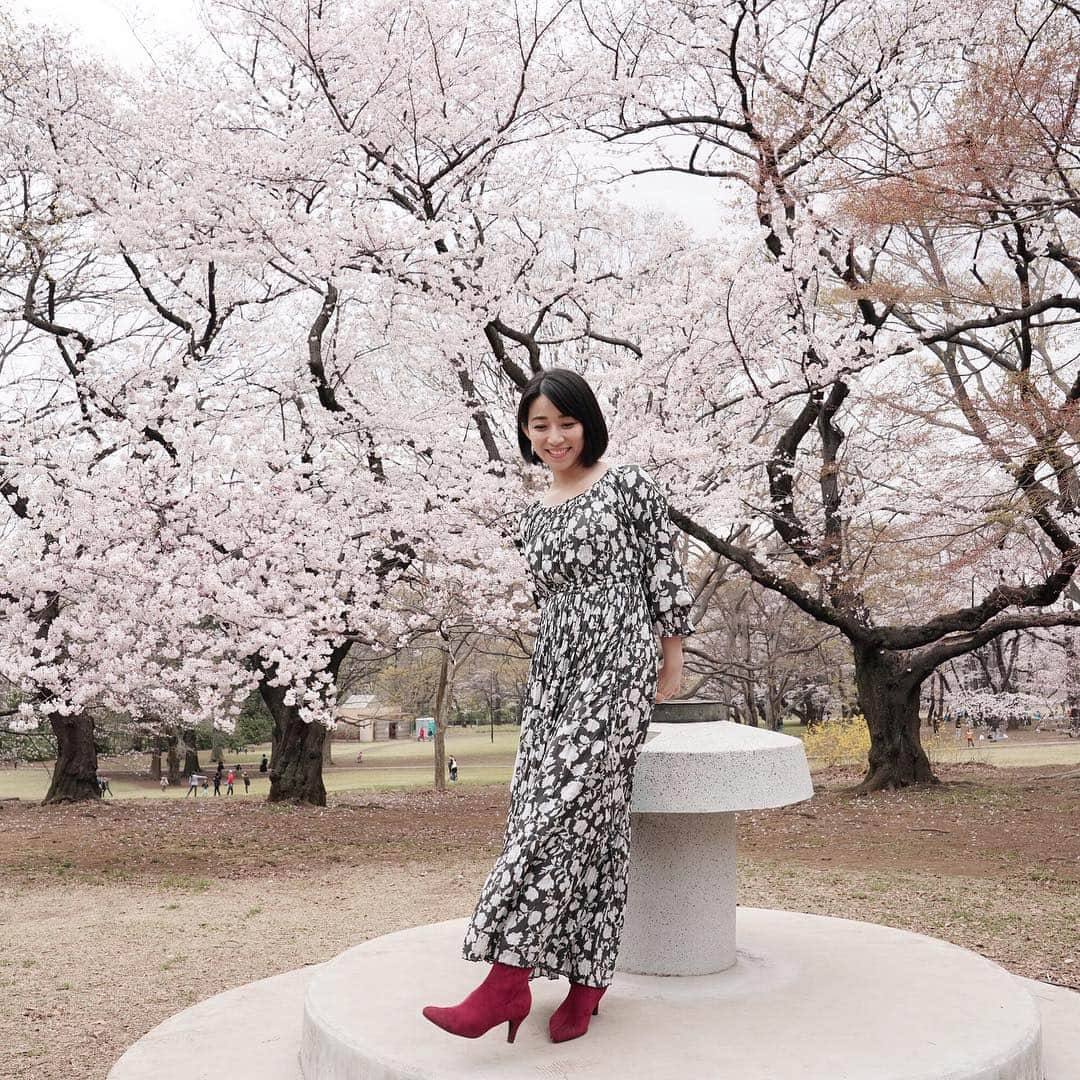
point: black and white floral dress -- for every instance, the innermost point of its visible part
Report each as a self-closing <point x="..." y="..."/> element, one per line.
<point x="608" y="580"/>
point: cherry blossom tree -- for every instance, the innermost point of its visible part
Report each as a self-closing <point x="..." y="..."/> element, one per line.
<point x="289" y="367"/>
<point x="269" y="313"/>
<point x="845" y="383"/>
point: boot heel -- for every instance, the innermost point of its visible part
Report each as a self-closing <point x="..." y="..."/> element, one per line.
<point x="512" y="1029"/>
<point x="596" y="1011"/>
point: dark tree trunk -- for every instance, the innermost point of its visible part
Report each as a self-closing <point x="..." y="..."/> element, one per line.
<point x="441" y="715"/>
<point x="935" y="701"/>
<point x="327" y="747"/>
<point x="1072" y="679"/>
<point x="191" y="753"/>
<point x="296" y="764"/>
<point x="155" y="763"/>
<point x="74" y="777"/>
<point x="296" y="757"/>
<point x="172" y="760"/>
<point x="889" y="699"/>
<point x="809" y="707"/>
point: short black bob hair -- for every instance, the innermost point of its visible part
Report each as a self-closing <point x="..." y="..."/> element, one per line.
<point x="572" y="396"/>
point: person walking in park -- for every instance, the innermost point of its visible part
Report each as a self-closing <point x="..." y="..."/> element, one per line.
<point x="451" y="768"/>
<point x="217" y="782"/>
<point x="264" y="765"/>
<point x="247" y="779"/>
<point x="193" y="785"/>
<point x="164" y="781"/>
<point x="600" y="552"/>
<point x="229" y="781"/>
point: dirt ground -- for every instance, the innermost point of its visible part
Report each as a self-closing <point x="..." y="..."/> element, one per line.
<point x="114" y="916"/>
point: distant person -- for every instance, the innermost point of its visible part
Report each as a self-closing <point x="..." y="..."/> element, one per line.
<point x="360" y="758"/>
<point x="247" y="779"/>
<point x="205" y="786"/>
<point x="103" y="786"/>
<point x="193" y="785"/>
<point x="264" y="765"/>
<point x="229" y="781"/>
<point x="969" y="734"/>
<point x="220" y="767"/>
<point x="217" y="782"/>
<point x="451" y="764"/>
<point x="164" y="781"/>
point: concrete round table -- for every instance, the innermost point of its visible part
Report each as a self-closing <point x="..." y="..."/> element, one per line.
<point x="691" y="779"/>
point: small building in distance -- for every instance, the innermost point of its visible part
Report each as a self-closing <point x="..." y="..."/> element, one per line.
<point x="364" y="718"/>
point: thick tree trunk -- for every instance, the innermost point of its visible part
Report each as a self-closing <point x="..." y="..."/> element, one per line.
<point x="155" y="763"/>
<point x="296" y="762"/>
<point x="74" y="777"/>
<point x="327" y="749"/>
<point x="889" y="699"/>
<point x="191" y="753"/>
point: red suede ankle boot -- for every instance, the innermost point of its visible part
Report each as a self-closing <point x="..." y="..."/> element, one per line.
<point x="571" y="1019"/>
<point x="503" y="996"/>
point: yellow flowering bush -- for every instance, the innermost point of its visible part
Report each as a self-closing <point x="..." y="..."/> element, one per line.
<point x="847" y="742"/>
<point x="838" y="742"/>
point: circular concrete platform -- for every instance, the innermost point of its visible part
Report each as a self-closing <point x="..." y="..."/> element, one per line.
<point x="261" y="1023"/>
<point x="809" y="997"/>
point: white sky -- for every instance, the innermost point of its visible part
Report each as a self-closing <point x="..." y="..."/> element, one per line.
<point x="114" y="27"/>
<point x="126" y="30"/>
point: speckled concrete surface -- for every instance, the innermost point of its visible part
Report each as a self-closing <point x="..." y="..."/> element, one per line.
<point x="799" y="1005"/>
<point x="261" y="1022"/>
<point x="690" y="778"/>
<point x="680" y="905"/>
<point x="717" y="767"/>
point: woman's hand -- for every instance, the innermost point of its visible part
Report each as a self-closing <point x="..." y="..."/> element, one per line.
<point x="669" y="679"/>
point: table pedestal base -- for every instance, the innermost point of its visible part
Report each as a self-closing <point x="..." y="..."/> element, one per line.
<point x="680" y="905"/>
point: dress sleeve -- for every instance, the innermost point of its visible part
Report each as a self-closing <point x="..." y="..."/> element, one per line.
<point x="666" y="587"/>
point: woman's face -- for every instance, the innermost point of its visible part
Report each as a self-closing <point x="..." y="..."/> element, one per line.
<point x="558" y="440"/>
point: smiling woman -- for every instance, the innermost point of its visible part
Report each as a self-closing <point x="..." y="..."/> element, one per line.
<point x="560" y="425"/>
<point x="600" y="552"/>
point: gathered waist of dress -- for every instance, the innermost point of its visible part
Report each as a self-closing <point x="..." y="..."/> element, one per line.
<point x="592" y="585"/>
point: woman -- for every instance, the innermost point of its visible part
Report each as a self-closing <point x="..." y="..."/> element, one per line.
<point x="599" y="548"/>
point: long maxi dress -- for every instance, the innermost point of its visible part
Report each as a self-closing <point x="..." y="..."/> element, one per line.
<point x="608" y="580"/>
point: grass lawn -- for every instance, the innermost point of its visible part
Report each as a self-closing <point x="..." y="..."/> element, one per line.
<point x="400" y="764"/>
<point x="1006" y="754"/>
<point x="404" y="764"/>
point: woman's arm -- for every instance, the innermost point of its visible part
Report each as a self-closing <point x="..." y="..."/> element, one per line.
<point x="669" y="681"/>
